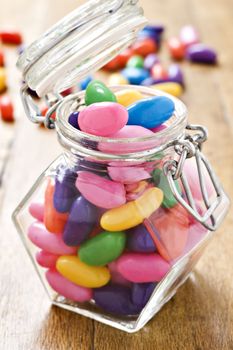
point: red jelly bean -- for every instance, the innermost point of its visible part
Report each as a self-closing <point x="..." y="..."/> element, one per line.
<point x="176" y="48"/>
<point x="144" y="47"/>
<point x="125" y="56"/>
<point x="2" y="59"/>
<point x="11" y="37"/>
<point x="113" y="65"/>
<point x="6" y="109"/>
<point x="158" y="72"/>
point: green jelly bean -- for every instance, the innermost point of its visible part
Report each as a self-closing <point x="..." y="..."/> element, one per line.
<point x="98" y="92"/>
<point x="103" y="248"/>
<point x="161" y="181"/>
<point x="136" y="61"/>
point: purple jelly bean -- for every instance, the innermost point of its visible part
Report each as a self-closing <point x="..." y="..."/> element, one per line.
<point x="81" y="221"/>
<point x="141" y="293"/>
<point x="115" y="299"/>
<point x="150" y="61"/>
<point x="200" y="53"/>
<point x="175" y="73"/>
<point x="73" y="120"/>
<point x="139" y="240"/>
<point x="65" y="190"/>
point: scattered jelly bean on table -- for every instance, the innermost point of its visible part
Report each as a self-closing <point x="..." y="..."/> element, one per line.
<point x="144" y="47"/>
<point x="136" y="61"/>
<point x="139" y="240"/>
<point x="134" y="75"/>
<point x="142" y="268"/>
<point x="72" y="268"/>
<point x="11" y="37"/>
<point x="150" y="61"/>
<point x="158" y="72"/>
<point x="66" y="288"/>
<point x="132" y="213"/>
<point x="117" y="79"/>
<point x="176" y="48"/>
<point x="103" y="119"/>
<point x="188" y="36"/>
<point x="46" y="259"/>
<point x="175" y="74"/>
<point x="151" y="112"/>
<point x="201" y="53"/>
<point x="3" y="83"/>
<point x="2" y="59"/>
<point x="99" y="191"/>
<point x="171" y="88"/>
<point x="128" y="97"/>
<point x="6" y="109"/>
<point x="97" y="91"/>
<point x="102" y="249"/>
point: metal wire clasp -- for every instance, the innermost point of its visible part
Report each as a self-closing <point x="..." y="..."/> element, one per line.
<point x="189" y="147"/>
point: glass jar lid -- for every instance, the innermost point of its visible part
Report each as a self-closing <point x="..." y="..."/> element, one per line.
<point x="80" y="44"/>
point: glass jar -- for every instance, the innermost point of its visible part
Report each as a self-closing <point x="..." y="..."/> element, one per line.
<point x="115" y="226"/>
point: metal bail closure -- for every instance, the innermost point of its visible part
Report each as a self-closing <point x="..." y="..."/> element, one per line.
<point x="215" y="208"/>
<point x="78" y="45"/>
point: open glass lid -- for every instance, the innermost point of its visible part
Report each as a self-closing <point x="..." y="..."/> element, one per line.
<point x="80" y="44"/>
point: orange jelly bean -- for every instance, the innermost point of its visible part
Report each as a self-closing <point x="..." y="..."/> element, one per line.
<point x="54" y="221"/>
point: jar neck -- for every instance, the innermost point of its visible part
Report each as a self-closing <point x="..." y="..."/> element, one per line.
<point x="78" y="144"/>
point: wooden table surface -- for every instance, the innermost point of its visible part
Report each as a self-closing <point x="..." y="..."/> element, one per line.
<point x="200" y="316"/>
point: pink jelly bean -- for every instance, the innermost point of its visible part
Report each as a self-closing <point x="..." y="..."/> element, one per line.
<point x="36" y="209"/>
<point x="195" y="234"/>
<point x="50" y="242"/>
<point x="99" y="191"/>
<point x="128" y="175"/>
<point x="116" y="277"/>
<point x="103" y="119"/>
<point x="46" y="259"/>
<point x="129" y="131"/>
<point x="66" y="288"/>
<point x="188" y="36"/>
<point x="159" y="128"/>
<point x="140" y="268"/>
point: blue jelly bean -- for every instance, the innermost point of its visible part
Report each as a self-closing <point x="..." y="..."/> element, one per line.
<point x="81" y="221"/>
<point x="73" y="120"/>
<point x="65" y="190"/>
<point x="84" y="83"/>
<point x="135" y="76"/>
<point x="141" y="293"/>
<point x="139" y="240"/>
<point x="151" y="112"/>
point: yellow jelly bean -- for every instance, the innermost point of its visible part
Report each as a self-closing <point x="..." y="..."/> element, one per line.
<point x="2" y="79"/>
<point x="82" y="274"/>
<point x="128" y="97"/>
<point x="132" y="213"/>
<point x="171" y="88"/>
<point x="117" y="79"/>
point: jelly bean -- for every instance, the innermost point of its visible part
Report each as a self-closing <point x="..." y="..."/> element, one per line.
<point x="3" y="84"/>
<point x="115" y="299"/>
<point x="135" y="76"/>
<point x="175" y="74"/>
<point x="67" y="92"/>
<point x="53" y="220"/>
<point x="80" y="223"/>
<point x="152" y="31"/>
<point x="171" y="88"/>
<point x="117" y="79"/>
<point x="2" y="60"/>
<point x="159" y="128"/>
<point x="144" y="47"/>
<point x="150" y="61"/>
<point x="65" y="191"/>
<point x="46" y="259"/>
<point x="188" y="36"/>
<point x="158" y="72"/>
<point x="141" y="293"/>
<point x="172" y="226"/>
<point x="103" y="119"/>
<point x="136" y="61"/>
<point x="124" y="56"/>
<point x="129" y="131"/>
<point x="99" y="191"/>
<point x="84" y="83"/>
<point x="97" y="91"/>
<point x="128" y="97"/>
<point x="66" y="288"/>
<point x="132" y="213"/>
<point x="36" y="209"/>
<point x="11" y="37"/>
<point x="128" y="175"/>
<point x="72" y="268"/>
<point x="161" y="181"/>
<point x="149" y="81"/>
<point x="142" y="268"/>
<point x="176" y="48"/>
<point x="114" y="65"/>
<point x="139" y="240"/>
<point x="102" y="249"/>
<point x="45" y="109"/>
<point x="142" y="186"/>
<point x="52" y="243"/>
<point x="6" y="109"/>
<point x="201" y="53"/>
<point x="73" y="120"/>
<point x="151" y="112"/>
<point x="116" y="277"/>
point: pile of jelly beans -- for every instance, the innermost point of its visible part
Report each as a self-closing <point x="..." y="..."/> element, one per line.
<point x="109" y="234"/>
<point x="6" y="105"/>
